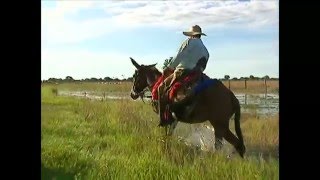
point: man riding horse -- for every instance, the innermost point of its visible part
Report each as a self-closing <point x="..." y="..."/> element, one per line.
<point x="191" y="61"/>
<point x="210" y="100"/>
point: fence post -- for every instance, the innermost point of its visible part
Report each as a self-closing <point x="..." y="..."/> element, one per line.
<point x="245" y="84"/>
<point x="245" y="94"/>
<point x="229" y="83"/>
<point x="266" y="88"/>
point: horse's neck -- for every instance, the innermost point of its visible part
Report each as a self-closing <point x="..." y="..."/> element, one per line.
<point x="153" y="77"/>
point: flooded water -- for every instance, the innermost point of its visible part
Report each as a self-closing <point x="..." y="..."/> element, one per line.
<point x="258" y="104"/>
<point x="93" y="95"/>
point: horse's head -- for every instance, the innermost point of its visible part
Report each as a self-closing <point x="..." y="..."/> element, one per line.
<point x="140" y="78"/>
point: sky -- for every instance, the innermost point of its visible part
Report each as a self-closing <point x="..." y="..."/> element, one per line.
<point x="86" y="39"/>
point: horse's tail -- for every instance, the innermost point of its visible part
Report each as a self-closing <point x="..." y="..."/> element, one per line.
<point x="237" y="115"/>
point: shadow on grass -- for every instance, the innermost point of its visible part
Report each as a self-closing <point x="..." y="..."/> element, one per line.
<point x="55" y="174"/>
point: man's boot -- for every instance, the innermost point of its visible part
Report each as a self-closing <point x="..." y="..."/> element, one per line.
<point x="160" y="108"/>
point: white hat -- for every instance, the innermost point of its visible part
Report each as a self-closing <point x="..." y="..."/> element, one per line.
<point x="194" y="30"/>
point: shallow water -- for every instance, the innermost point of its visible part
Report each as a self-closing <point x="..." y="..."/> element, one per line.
<point x="251" y="103"/>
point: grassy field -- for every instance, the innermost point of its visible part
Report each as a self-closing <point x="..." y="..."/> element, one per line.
<point x="86" y="139"/>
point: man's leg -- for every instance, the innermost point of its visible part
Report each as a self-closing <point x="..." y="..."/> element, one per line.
<point x="189" y="97"/>
<point x="177" y="74"/>
<point x="162" y="98"/>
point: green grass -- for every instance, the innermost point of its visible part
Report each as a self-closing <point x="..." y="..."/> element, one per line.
<point x="85" y="139"/>
<point x="124" y="87"/>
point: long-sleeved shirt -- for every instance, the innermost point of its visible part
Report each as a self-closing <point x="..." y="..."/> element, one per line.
<point x="189" y="53"/>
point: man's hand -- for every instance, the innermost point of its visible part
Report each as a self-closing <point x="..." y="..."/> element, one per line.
<point x="167" y="71"/>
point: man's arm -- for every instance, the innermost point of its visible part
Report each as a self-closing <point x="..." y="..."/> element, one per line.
<point x="202" y="63"/>
<point x="185" y="47"/>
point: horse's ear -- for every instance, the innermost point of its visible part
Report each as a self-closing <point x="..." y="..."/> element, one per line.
<point x="152" y="65"/>
<point x="135" y="63"/>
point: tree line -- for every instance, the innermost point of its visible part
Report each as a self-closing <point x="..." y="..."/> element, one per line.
<point x="93" y="79"/>
<point x="109" y="79"/>
<point x="130" y="79"/>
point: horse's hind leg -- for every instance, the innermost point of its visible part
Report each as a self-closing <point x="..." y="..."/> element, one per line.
<point x="232" y="139"/>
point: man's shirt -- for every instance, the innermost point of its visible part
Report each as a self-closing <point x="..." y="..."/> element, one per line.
<point x="189" y="53"/>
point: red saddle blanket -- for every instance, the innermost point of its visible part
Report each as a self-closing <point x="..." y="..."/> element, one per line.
<point x="177" y="85"/>
<point x="154" y="92"/>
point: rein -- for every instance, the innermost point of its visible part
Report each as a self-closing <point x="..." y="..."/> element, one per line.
<point x="150" y="87"/>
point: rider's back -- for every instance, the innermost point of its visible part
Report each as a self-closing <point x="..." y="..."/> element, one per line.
<point x="190" y="52"/>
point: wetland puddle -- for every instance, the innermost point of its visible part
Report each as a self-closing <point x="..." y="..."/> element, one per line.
<point x="258" y="104"/>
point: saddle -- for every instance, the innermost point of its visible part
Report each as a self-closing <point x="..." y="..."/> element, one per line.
<point x="180" y="97"/>
<point x="190" y="79"/>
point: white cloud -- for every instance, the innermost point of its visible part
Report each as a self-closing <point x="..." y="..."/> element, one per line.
<point x="59" y="27"/>
<point x="179" y="14"/>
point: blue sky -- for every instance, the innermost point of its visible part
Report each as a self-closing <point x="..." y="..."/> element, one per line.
<point x="85" y="39"/>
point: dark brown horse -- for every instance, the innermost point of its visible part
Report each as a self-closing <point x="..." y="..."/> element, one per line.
<point x="216" y="104"/>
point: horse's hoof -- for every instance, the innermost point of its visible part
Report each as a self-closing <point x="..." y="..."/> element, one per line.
<point x="231" y="154"/>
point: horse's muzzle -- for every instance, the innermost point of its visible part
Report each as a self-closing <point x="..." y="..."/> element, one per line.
<point x="134" y="95"/>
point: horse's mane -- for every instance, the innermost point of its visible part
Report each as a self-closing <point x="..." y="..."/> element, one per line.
<point x="156" y="71"/>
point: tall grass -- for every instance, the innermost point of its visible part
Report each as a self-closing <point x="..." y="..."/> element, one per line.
<point x="85" y="139"/>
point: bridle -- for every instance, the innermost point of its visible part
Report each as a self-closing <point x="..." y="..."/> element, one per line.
<point x="141" y="94"/>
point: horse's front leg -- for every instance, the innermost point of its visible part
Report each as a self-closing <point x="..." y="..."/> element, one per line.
<point x="172" y="127"/>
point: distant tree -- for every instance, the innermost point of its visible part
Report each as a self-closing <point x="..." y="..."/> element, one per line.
<point x="251" y="77"/>
<point x="167" y="62"/>
<point x="130" y="79"/>
<point x="93" y="79"/>
<point x="235" y="78"/>
<point x="69" y="78"/>
<point x="266" y="77"/>
<point x="52" y="80"/>
<point x="107" y="79"/>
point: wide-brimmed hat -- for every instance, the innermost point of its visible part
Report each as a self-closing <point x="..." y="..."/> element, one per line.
<point x="194" y="30"/>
